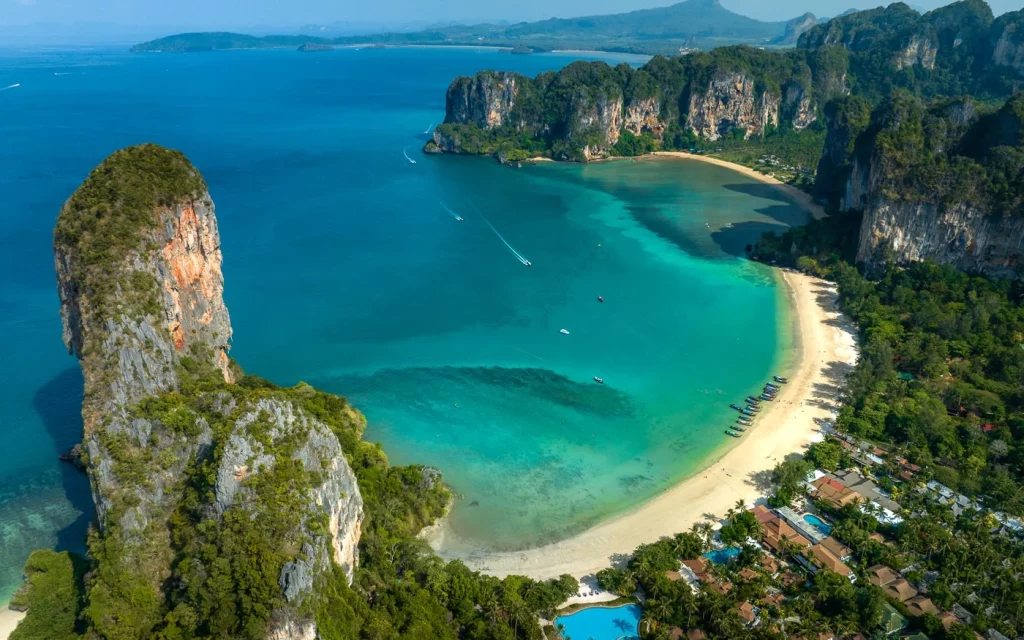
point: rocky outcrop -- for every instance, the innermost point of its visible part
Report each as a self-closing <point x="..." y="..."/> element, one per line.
<point x="598" y="119"/>
<point x="729" y="102"/>
<point x="139" y="277"/>
<point x="644" y="116"/>
<point x="797" y="107"/>
<point x="918" y="51"/>
<point x="961" y="235"/>
<point x="336" y="496"/>
<point x="133" y="320"/>
<point x="1008" y="41"/>
<point x="485" y="99"/>
<point x="952" y="197"/>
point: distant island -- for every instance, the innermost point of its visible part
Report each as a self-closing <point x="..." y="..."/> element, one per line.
<point x="315" y="46"/>
<point x="701" y="24"/>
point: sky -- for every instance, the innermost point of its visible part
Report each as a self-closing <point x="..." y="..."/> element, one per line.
<point x="239" y="14"/>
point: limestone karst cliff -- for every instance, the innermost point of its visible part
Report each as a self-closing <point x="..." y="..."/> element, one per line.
<point x="185" y="455"/>
<point x="936" y="181"/>
<point x="583" y="111"/>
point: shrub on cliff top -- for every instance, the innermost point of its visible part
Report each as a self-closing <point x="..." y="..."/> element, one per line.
<point x="103" y="221"/>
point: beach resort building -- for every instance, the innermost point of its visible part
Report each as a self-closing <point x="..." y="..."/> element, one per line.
<point x="833" y="492"/>
<point x="819" y="557"/>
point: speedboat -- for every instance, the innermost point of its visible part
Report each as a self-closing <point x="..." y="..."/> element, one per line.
<point x="564" y="332"/>
<point x="528" y="263"/>
<point x="598" y="380"/>
<point x="600" y="298"/>
<point x="459" y="218"/>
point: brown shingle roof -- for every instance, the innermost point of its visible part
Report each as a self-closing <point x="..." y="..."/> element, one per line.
<point x="674" y="576"/>
<point x="777" y="530"/>
<point x="881" y="575"/>
<point x="749" y="574"/>
<point x="675" y="633"/>
<point x="695" y="634"/>
<point x="836" y="548"/>
<point x="828" y="560"/>
<point x="763" y="513"/>
<point x="947" y="619"/>
<point x="920" y="605"/>
<point x="900" y="589"/>
<point x="770" y="564"/>
<point x="722" y="587"/>
<point x="747" y="611"/>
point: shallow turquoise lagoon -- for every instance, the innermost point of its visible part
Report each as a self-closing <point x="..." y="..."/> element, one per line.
<point x="345" y="268"/>
<point x="602" y="623"/>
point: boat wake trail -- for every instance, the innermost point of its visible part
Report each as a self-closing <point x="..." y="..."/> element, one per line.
<point x="429" y="128"/>
<point x="405" y="152"/>
<point x="13" y="86"/>
<point x="453" y="214"/>
<point x="518" y="255"/>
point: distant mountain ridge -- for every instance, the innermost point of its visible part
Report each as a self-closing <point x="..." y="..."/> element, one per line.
<point x="702" y="23"/>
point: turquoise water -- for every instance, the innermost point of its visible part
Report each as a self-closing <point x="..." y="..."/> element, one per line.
<point x="344" y="269"/>
<point x="601" y="623"/>
<point x="723" y="555"/>
<point x="818" y="523"/>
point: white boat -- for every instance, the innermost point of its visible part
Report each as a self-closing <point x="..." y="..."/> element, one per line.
<point x="598" y="380"/>
<point x="564" y="332"/>
<point x="528" y="263"/>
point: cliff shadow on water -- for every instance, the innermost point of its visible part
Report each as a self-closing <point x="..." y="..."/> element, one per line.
<point x="58" y="405"/>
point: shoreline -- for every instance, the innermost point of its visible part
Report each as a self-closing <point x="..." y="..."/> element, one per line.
<point x="9" y="619"/>
<point x="805" y="200"/>
<point x="825" y="350"/>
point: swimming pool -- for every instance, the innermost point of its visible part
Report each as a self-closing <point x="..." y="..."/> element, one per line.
<point x="601" y="623"/>
<point x="723" y="555"/>
<point x="818" y="523"/>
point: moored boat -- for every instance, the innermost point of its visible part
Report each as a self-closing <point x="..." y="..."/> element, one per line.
<point x="736" y="407"/>
<point x="736" y="428"/>
<point x="745" y="422"/>
<point x="767" y="397"/>
<point x="781" y="379"/>
<point x="733" y="434"/>
<point x="772" y="386"/>
<point x="753" y="408"/>
<point x="748" y="413"/>
<point x="752" y="400"/>
<point x="564" y="332"/>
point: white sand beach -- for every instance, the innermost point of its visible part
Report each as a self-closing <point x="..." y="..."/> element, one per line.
<point x="8" y="620"/>
<point x="826" y="352"/>
<point x="802" y="197"/>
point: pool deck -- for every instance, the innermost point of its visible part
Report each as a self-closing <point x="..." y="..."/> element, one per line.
<point x="588" y="585"/>
<point x="804" y="528"/>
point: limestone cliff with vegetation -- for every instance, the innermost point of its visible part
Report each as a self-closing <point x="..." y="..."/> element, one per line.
<point x="193" y="466"/>
<point x="940" y="181"/>
<point x="736" y="98"/>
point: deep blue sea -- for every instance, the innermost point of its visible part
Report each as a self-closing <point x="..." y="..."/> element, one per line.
<point x="345" y="267"/>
